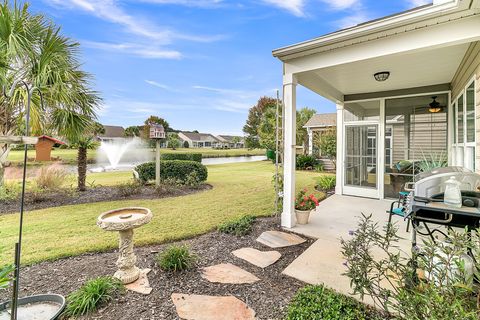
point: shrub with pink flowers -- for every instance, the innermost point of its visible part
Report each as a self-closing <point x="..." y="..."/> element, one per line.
<point x="305" y="202"/>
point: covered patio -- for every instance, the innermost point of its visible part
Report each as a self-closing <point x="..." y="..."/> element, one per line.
<point x="406" y="88"/>
<point x="323" y="263"/>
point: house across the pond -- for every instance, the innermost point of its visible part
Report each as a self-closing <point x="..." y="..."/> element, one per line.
<point x="111" y="133"/>
<point x="191" y="139"/>
<point x="233" y="142"/>
<point x="406" y="89"/>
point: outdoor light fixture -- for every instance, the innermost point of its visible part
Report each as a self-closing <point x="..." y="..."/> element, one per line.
<point x="382" y="76"/>
<point x="434" y="106"/>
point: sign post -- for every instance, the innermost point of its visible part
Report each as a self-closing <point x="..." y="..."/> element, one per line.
<point x="157" y="132"/>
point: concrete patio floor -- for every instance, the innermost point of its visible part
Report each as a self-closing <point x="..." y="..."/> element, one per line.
<point x="322" y="263"/>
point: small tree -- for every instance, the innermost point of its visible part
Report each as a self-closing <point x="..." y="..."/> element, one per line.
<point x="377" y="267"/>
<point x="83" y="144"/>
<point x="327" y="143"/>
<point x="173" y="141"/>
<point x="132" y="131"/>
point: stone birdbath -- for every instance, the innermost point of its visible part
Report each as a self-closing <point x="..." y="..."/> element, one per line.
<point x="124" y="221"/>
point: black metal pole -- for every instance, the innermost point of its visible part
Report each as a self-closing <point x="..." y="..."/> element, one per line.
<point x="18" y="245"/>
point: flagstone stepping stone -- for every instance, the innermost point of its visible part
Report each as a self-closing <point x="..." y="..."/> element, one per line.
<point x="278" y="239"/>
<point x="141" y="285"/>
<point x="228" y="273"/>
<point x="198" y="307"/>
<point x="256" y="257"/>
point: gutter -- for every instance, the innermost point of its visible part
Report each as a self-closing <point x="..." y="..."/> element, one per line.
<point x="375" y="26"/>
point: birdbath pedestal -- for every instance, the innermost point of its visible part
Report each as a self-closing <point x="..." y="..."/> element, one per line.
<point x="124" y="221"/>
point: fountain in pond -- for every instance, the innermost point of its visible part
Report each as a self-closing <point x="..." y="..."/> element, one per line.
<point x="121" y="154"/>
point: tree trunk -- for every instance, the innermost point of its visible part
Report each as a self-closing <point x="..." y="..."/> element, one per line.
<point x="82" y="168"/>
<point x="4" y="151"/>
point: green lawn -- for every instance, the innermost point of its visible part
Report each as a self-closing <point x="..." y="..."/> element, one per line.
<point x="238" y="189"/>
<point x="70" y="155"/>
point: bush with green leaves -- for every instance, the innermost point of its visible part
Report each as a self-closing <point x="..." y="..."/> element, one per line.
<point x="129" y="188"/>
<point x="326" y="183"/>
<point x="6" y="276"/>
<point x="304" y="162"/>
<point x="92" y="295"/>
<point x="321" y="303"/>
<point x="390" y="276"/>
<point x="10" y="191"/>
<point x="179" y="170"/>
<point x="182" y="156"/>
<point x="239" y="227"/>
<point x="176" y="258"/>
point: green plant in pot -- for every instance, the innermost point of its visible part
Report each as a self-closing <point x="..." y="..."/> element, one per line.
<point x="304" y="204"/>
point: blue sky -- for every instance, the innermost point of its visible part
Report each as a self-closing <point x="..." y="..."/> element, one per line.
<point x="200" y="64"/>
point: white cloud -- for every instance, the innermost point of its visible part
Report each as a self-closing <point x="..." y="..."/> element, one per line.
<point x="341" y="4"/>
<point x="140" y="50"/>
<point x="150" y="38"/>
<point x="295" y="7"/>
<point x="352" y="20"/>
<point x="418" y="3"/>
<point x="189" y="3"/>
<point x="159" y="85"/>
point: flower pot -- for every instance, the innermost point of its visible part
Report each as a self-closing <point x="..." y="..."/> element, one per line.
<point x="302" y="216"/>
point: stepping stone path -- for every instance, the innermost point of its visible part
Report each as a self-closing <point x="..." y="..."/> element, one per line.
<point x="228" y="273"/>
<point x="256" y="257"/>
<point x="278" y="239"/>
<point x="142" y="285"/>
<point x="198" y="307"/>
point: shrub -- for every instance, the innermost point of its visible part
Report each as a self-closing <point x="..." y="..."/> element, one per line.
<point x="9" y="191"/>
<point x="6" y="276"/>
<point x="239" y="227"/>
<point x="92" y="295"/>
<point x="176" y="258"/>
<point x="182" y="156"/>
<point x="129" y="188"/>
<point x="326" y="183"/>
<point x="178" y="170"/>
<point x="318" y="302"/>
<point x="445" y="292"/>
<point x="306" y="162"/>
<point x="51" y="178"/>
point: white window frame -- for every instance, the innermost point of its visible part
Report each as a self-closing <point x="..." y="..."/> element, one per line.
<point x="464" y="145"/>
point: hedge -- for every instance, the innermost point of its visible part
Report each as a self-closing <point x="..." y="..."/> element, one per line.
<point x="183" y="156"/>
<point x="319" y="302"/>
<point x="178" y="170"/>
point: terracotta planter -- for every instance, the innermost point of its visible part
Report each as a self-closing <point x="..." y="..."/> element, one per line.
<point x="302" y="216"/>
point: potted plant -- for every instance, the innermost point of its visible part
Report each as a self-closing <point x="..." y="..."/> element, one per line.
<point x="304" y="204"/>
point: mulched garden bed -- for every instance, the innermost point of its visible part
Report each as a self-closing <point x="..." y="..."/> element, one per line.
<point x="62" y="197"/>
<point x="269" y="297"/>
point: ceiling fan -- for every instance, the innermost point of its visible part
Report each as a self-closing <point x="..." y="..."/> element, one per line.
<point x="434" y="106"/>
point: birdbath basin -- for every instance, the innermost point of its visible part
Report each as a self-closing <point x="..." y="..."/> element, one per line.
<point x="124" y="221"/>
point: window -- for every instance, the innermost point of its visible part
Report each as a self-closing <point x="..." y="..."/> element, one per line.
<point x="464" y="128"/>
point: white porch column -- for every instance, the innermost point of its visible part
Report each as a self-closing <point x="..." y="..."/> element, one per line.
<point x="310" y="141"/>
<point x="340" y="149"/>
<point x="289" y="150"/>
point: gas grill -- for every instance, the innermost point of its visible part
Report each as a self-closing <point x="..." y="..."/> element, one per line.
<point x="425" y="201"/>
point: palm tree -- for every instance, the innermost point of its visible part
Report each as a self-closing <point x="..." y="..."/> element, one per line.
<point x="33" y="53"/>
<point x="83" y="143"/>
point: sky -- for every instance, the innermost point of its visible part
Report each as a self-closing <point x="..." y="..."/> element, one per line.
<point x="199" y="64"/>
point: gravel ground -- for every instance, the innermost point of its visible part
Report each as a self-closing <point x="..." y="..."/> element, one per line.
<point x="269" y="297"/>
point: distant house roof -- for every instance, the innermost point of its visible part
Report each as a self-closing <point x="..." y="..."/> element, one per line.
<point x="194" y="136"/>
<point x="56" y="141"/>
<point x="113" y="132"/>
<point x="322" y="120"/>
<point x="227" y="138"/>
